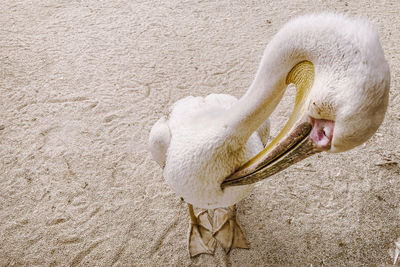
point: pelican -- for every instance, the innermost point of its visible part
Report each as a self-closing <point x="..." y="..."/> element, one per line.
<point x="213" y="149"/>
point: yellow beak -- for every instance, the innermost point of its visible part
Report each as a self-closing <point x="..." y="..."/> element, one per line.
<point x="292" y="144"/>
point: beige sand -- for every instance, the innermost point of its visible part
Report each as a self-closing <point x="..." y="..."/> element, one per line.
<point x="83" y="82"/>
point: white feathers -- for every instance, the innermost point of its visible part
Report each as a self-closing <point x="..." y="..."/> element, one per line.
<point x="351" y="84"/>
<point x="194" y="145"/>
<point x="207" y="139"/>
<point x="159" y="139"/>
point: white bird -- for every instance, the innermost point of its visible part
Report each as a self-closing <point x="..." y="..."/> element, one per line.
<point x="208" y="146"/>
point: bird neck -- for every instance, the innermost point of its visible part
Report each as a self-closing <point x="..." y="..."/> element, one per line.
<point x="275" y="72"/>
<point x="324" y="42"/>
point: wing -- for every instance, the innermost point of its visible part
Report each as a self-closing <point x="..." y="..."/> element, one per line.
<point x="159" y="139"/>
<point x="263" y="131"/>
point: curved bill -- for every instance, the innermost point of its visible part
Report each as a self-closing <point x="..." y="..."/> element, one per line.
<point x="294" y="148"/>
<point x="291" y="145"/>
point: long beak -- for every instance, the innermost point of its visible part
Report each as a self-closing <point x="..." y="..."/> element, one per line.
<point x="294" y="148"/>
<point x="291" y="145"/>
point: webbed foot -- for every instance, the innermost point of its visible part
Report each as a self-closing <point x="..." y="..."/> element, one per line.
<point x="227" y="230"/>
<point x="201" y="240"/>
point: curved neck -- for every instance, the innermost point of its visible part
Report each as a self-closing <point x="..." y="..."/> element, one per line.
<point x="319" y="39"/>
<point x="266" y="91"/>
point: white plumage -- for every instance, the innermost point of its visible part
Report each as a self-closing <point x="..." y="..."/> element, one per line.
<point x="191" y="122"/>
<point x="207" y="139"/>
<point x="210" y="137"/>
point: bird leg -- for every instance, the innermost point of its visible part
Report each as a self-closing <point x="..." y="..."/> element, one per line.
<point x="200" y="234"/>
<point x="227" y="230"/>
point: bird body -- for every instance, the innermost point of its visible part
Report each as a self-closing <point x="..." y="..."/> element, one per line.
<point x="196" y="125"/>
<point x="213" y="147"/>
<point x="209" y="138"/>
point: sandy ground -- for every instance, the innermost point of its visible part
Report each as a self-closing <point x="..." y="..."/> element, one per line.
<point x="81" y="85"/>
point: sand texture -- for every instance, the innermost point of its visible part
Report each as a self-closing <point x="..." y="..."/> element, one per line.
<point x="81" y="84"/>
